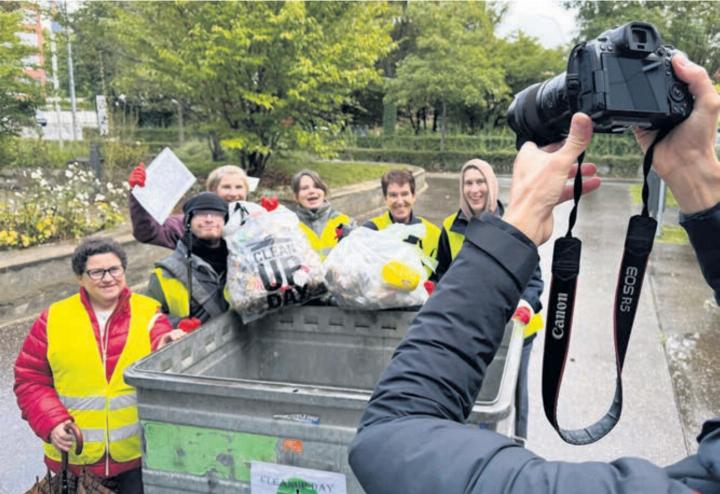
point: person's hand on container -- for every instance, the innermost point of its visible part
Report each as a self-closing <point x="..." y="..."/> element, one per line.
<point x="189" y="324"/>
<point x="61" y="438"/>
<point x="137" y="176"/>
<point x="168" y="338"/>
<point x="523" y="313"/>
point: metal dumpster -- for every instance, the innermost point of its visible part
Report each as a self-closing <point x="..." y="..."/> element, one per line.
<point x="288" y="389"/>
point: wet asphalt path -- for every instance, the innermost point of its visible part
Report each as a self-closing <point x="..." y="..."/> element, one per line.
<point x="675" y="340"/>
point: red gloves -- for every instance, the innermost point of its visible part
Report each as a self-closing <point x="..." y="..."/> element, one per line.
<point x="522" y="314"/>
<point x="269" y="203"/>
<point x="429" y="287"/>
<point x="137" y="176"/>
<point x="189" y="324"/>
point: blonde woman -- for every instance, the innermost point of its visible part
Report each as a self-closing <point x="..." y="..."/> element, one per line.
<point x="479" y="194"/>
<point x="230" y="182"/>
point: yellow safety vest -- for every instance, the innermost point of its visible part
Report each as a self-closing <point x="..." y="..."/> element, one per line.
<point x="176" y="293"/>
<point x="456" y="241"/>
<point x="328" y="237"/>
<point x="106" y="412"/>
<point x="429" y="242"/>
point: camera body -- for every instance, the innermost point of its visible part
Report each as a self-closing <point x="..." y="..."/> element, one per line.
<point x="621" y="79"/>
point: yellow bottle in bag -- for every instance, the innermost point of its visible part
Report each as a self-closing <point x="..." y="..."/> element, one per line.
<point x="400" y="276"/>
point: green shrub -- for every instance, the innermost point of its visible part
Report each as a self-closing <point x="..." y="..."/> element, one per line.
<point x="71" y="204"/>
<point x="34" y="153"/>
<point x="502" y="160"/>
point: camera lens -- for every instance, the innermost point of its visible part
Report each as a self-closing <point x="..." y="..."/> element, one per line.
<point x="540" y="113"/>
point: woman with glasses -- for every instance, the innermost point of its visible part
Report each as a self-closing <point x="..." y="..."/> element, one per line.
<point x="70" y="368"/>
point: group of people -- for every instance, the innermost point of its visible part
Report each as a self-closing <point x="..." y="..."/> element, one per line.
<point x="71" y="365"/>
<point x="56" y="382"/>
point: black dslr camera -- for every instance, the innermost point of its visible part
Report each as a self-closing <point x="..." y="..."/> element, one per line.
<point x="621" y="79"/>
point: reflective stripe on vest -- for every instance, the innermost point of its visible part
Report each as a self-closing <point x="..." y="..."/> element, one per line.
<point x="456" y="240"/>
<point x="429" y="241"/>
<point x="175" y="293"/>
<point x="106" y="412"/>
<point x="328" y="237"/>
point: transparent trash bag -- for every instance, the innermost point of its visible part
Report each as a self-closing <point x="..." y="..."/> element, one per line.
<point x="271" y="265"/>
<point x="378" y="269"/>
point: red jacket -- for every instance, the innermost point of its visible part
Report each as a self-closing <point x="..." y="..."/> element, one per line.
<point x="34" y="388"/>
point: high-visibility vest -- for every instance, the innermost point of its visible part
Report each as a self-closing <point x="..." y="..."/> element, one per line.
<point x="454" y="238"/>
<point x="429" y="242"/>
<point x="176" y="293"/>
<point x="106" y="412"/>
<point x="324" y="243"/>
<point x="456" y="241"/>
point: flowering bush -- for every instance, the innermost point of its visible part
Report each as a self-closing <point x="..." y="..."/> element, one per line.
<point x="71" y="206"/>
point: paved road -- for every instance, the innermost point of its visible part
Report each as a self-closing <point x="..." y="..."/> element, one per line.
<point x="658" y="423"/>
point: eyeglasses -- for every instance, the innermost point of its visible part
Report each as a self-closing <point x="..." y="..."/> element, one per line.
<point x="98" y="274"/>
<point x="209" y="212"/>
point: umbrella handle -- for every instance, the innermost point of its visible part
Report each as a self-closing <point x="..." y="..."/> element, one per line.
<point x="72" y="428"/>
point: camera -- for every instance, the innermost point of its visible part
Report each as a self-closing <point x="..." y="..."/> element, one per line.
<point x="621" y="79"/>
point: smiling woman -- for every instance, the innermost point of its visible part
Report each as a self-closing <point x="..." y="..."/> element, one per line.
<point x="322" y="225"/>
<point x="71" y="365"/>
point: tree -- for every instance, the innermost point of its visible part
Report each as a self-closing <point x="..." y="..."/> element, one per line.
<point x="693" y="27"/>
<point x="453" y="61"/>
<point x="262" y="75"/>
<point x="19" y="94"/>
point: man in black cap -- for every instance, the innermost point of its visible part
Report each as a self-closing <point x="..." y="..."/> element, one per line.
<point x="189" y="283"/>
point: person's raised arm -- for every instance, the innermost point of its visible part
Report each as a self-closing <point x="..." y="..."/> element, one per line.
<point x="687" y="162"/>
<point x="144" y="227"/>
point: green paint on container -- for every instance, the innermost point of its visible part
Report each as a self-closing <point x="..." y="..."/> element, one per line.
<point x="296" y="485"/>
<point x="199" y="450"/>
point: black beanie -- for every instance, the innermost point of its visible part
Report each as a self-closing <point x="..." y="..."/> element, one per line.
<point x="204" y="201"/>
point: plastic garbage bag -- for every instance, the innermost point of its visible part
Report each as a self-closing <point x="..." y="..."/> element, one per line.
<point x="378" y="269"/>
<point x="239" y="213"/>
<point x="271" y="265"/>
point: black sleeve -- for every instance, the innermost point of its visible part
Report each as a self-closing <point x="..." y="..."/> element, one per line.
<point x="412" y="438"/>
<point x="370" y="224"/>
<point x="703" y="230"/>
<point x="533" y="290"/>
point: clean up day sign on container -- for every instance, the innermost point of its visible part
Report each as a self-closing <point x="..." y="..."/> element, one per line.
<point x="270" y="478"/>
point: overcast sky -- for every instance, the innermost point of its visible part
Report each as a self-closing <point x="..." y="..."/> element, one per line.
<point x="547" y="20"/>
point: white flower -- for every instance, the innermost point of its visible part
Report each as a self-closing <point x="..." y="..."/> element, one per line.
<point x="110" y="186"/>
<point x="35" y="174"/>
<point x="43" y="182"/>
<point x="68" y="173"/>
<point x="99" y="197"/>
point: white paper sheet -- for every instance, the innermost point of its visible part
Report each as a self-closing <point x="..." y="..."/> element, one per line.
<point x="168" y="179"/>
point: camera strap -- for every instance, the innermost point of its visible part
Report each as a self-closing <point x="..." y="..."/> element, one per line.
<point x="561" y="303"/>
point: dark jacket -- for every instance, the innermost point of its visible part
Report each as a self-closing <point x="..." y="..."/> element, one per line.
<point x="533" y="290"/>
<point x="208" y="298"/>
<point x="148" y="231"/>
<point x="412" y="438"/>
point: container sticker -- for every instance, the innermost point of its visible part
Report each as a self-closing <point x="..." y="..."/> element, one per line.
<point x="270" y="478"/>
<point x="299" y="417"/>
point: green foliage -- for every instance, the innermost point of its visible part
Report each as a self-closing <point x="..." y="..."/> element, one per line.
<point x="19" y="94"/>
<point x="69" y="205"/>
<point x="501" y="160"/>
<point x="334" y="173"/>
<point x="34" y="153"/>
<point x="263" y="76"/>
<point x="453" y="61"/>
<point x="693" y="27"/>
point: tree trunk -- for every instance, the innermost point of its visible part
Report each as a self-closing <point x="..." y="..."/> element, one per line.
<point x="443" y="128"/>
<point x="215" y="148"/>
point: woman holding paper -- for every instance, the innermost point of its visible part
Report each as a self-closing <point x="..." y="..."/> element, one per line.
<point x="229" y="182"/>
